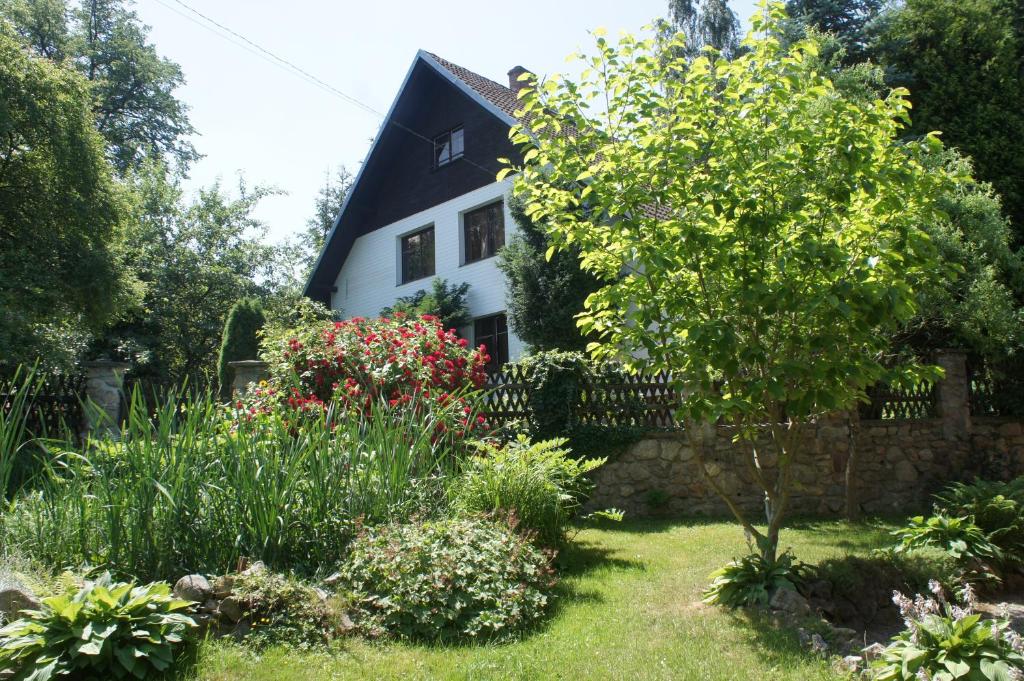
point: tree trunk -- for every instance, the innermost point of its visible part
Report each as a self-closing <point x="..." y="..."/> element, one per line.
<point x="852" y="498"/>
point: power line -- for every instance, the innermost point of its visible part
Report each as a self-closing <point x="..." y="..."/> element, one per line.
<point x="232" y="36"/>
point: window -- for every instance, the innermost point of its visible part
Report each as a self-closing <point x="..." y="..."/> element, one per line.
<point x="418" y="255"/>
<point x="492" y="333"/>
<point x="449" y="147"/>
<point x="483" y="231"/>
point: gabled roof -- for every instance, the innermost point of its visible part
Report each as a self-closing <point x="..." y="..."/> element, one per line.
<point x="501" y="96"/>
<point x="494" y="97"/>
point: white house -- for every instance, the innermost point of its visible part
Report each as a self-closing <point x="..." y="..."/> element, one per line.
<point x="426" y="204"/>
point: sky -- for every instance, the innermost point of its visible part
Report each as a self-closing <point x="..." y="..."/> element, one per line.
<point x="278" y="129"/>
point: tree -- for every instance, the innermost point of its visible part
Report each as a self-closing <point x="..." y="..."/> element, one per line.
<point x="756" y="233"/>
<point x="240" y="340"/>
<point x="704" y="23"/>
<point x="846" y="20"/>
<point x="133" y="87"/>
<point x="444" y="301"/>
<point x="297" y="257"/>
<point x="62" y="214"/>
<point x="544" y="294"/>
<point x="195" y="260"/>
<point x="962" y="61"/>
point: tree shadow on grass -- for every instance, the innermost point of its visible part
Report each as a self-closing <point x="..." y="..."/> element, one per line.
<point x="779" y="646"/>
<point x="580" y="556"/>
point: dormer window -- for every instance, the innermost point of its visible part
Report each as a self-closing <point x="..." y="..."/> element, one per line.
<point x="448" y="147"/>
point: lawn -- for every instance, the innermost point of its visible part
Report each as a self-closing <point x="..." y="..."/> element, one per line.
<point x="628" y="607"/>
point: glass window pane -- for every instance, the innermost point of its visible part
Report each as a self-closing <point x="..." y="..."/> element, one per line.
<point x="484" y="231"/>
<point x="458" y="145"/>
<point x="442" y="149"/>
<point x="418" y="255"/>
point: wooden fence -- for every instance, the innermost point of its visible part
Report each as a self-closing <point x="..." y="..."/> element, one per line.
<point x="55" y="408"/>
<point x="650" y="400"/>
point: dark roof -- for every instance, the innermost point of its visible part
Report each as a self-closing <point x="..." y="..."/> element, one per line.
<point x="494" y="92"/>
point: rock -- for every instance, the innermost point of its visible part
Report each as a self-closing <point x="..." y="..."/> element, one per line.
<point x="241" y="629"/>
<point x="819" y="588"/>
<point x="256" y="568"/>
<point x="193" y="588"/>
<point x="321" y="593"/>
<point x="818" y="645"/>
<point x="789" y="601"/>
<point x="13" y="600"/>
<point x="646" y="450"/>
<point x="210" y="605"/>
<point x="844" y="634"/>
<point x="333" y="579"/>
<point x="873" y="651"/>
<point x="230" y="609"/>
<point x="850" y="664"/>
<point x="345" y="623"/>
<point x="905" y="472"/>
<point x="223" y="586"/>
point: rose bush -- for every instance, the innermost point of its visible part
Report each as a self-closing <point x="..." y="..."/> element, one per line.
<point x="360" y="362"/>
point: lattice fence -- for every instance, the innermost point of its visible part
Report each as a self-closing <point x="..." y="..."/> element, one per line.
<point x="637" y="400"/>
<point x="55" y="407"/>
<point x="982" y="390"/>
<point x="919" y="401"/>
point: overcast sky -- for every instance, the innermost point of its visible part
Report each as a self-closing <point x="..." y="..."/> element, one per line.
<point x="277" y="129"/>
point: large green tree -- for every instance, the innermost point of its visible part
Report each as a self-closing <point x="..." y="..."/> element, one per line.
<point x="545" y="290"/>
<point x="756" y="232"/>
<point x="848" y="21"/>
<point x="62" y="214"/>
<point x="133" y="88"/>
<point x="962" y="61"/>
<point x="195" y="258"/>
<point x="704" y="23"/>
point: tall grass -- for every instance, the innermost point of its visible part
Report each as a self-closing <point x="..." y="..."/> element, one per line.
<point x="16" y="396"/>
<point x="188" y="488"/>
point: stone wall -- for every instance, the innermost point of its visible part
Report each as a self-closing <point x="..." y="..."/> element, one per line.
<point x="898" y="463"/>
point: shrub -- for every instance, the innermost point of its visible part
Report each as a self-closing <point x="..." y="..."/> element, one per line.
<point x="947" y="641"/>
<point x="751" y="580"/>
<point x="445" y="302"/>
<point x="562" y="384"/>
<point x="538" y="484"/>
<point x="960" y="537"/>
<point x="284" y="610"/>
<point x="105" y="630"/>
<point x="357" y="362"/>
<point x="996" y="507"/>
<point x="240" y="340"/>
<point x="445" y="580"/>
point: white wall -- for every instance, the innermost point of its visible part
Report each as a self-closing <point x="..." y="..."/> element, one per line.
<point x="368" y="281"/>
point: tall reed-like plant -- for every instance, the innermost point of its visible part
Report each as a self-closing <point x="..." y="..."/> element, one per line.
<point x="16" y="396"/>
<point x="193" y="486"/>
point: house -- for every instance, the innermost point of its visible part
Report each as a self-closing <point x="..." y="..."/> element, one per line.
<point x="426" y="204"/>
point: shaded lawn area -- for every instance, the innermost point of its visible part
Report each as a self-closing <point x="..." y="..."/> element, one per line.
<point x="628" y="607"/>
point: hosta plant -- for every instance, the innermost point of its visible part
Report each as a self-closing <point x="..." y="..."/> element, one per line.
<point x="446" y="580"/>
<point x="751" y="580"/>
<point x="997" y="507"/>
<point x="943" y="641"/>
<point x="958" y="536"/>
<point x="105" y="630"/>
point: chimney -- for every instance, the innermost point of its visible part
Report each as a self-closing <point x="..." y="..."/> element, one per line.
<point x="513" y="78"/>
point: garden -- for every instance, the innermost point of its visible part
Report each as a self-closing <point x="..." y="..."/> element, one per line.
<point x="361" y="512"/>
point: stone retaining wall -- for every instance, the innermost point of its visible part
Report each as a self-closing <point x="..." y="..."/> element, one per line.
<point x="898" y="464"/>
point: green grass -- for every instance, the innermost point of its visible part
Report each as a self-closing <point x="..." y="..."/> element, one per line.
<point x="629" y="607"/>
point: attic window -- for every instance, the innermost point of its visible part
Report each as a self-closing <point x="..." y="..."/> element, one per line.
<point x="448" y="147"/>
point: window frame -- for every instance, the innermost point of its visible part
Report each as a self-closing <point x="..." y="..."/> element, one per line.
<point x="403" y="240"/>
<point x="446" y="137"/>
<point x="464" y="230"/>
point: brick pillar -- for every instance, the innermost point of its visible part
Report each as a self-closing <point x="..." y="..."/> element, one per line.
<point x="954" y="405"/>
<point x="104" y="389"/>
<point x="247" y="371"/>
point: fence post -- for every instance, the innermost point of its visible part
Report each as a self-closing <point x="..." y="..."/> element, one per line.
<point x="104" y="387"/>
<point x="247" y="371"/>
<point x="954" y="394"/>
